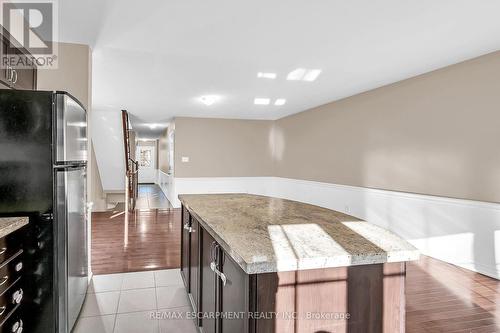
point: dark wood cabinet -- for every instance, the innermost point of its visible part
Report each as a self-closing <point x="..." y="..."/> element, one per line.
<point x="12" y="76"/>
<point x="12" y="283"/>
<point x="24" y="78"/>
<point x="359" y="299"/>
<point x="185" y="248"/>
<point x="215" y="283"/>
<point x="233" y="296"/>
<point x="190" y="258"/>
<point x="4" y="71"/>
<point x="194" y="262"/>
<point x="208" y="282"/>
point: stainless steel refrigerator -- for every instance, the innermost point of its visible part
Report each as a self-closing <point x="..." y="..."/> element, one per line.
<point x="43" y="168"/>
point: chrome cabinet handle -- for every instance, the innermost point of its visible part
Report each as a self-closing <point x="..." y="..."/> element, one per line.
<point x="213" y="256"/>
<point x="222" y="276"/>
<point x="9" y="74"/>
<point x="2" y="250"/>
<point x="14" y="76"/>
<point x="19" y="266"/>
<point x="17" y="297"/>
<point x="4" y="279"/>
<point x="2" y="309"/>
<point x="17" y="327"/>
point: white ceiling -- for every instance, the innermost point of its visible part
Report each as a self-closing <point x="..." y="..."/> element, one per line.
<point x="155" y="58"/>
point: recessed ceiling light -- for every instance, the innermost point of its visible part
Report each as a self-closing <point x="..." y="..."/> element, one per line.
<point x="263" y="75"/>
<point x="261" y="101"/>
<point x="209" y="99"/>
<point x="77" y="124"/>
<point x="296" y="75"/>
<point x="280" y="101"/>
<point x="312" y="75"/>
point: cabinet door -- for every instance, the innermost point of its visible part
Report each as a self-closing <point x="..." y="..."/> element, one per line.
<point x="185" y="247"/>
<point x="208" y="279"/>
<point x="17" y="78"/>
<point x="24" y="78"/>
<point x="4" y="72"/>
<point x="194" y="262"/>
<point x="234" y="295"/>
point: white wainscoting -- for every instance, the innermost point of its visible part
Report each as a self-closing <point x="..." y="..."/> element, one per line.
<point x="462" y="232"/>
<point x="167" y="185"/>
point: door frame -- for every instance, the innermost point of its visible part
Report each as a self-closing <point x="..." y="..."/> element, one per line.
<point x="147" y="175"/>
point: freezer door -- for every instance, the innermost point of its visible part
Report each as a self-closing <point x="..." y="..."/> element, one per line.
<point x="72" y="254"/>
<point x="71" y="130"/>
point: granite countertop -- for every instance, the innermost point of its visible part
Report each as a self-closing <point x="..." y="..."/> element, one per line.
<point x="10" y="224"/>
<point x="265" y="234"/>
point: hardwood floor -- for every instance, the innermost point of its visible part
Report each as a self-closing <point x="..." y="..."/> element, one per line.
<point x="150" y="196"/>
<point x="129" y="242"/>
<point x="444" y="298"/>
<point x="439" y="297"/>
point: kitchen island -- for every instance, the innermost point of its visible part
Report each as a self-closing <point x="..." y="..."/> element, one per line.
<point x="260" y="264"/>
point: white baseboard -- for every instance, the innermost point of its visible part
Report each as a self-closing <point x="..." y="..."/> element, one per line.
<point x="462" y="232"/>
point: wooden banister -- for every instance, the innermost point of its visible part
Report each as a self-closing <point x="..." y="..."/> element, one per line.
<point x="131" y="166"/>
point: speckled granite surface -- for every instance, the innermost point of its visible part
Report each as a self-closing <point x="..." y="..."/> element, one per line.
<point x="11" y="224"/>
<point x="264" y="234"/>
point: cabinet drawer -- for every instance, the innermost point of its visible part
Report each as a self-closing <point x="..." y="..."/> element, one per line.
<point x="10" y="299"/>
<point x="14" y="323"/>
<point x="11" y="270"/>
<point x="10" y="245"/>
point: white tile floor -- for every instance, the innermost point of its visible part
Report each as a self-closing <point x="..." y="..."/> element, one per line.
<point x="132" y="302"/>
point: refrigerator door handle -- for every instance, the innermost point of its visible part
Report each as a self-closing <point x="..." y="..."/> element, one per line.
<point x="69" y="166"/>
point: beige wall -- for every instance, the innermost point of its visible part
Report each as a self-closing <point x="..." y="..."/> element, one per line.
<point x="74" y="75"/>
<point x="223" y="147"/>
<point x="436" y="134"/>
<point x="96" y="184"/>
<point x="163" y="160"/>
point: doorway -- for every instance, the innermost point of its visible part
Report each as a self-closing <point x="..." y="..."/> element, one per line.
<point x="146" y="156"/>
